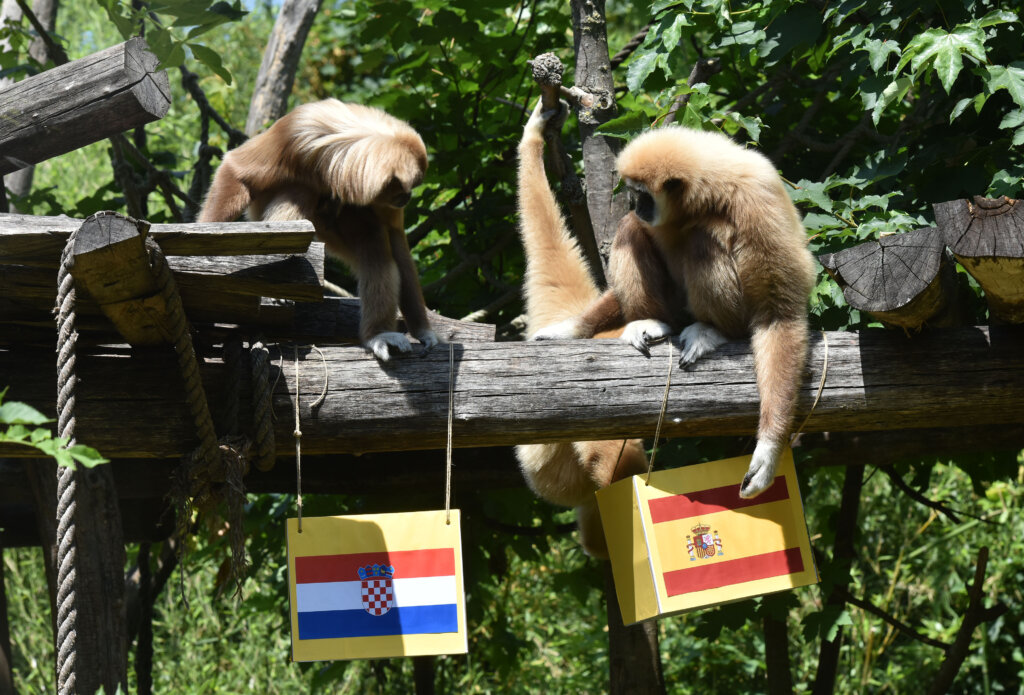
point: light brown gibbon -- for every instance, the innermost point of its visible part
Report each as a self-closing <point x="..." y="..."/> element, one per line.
<point x="558" y="285"/>
<point x="349" y="169"/>
<point x="712" y="232"/>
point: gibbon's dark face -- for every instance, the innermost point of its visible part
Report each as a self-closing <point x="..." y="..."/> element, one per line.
<point x="396" y="194"/>
<point x="641" y="202"/>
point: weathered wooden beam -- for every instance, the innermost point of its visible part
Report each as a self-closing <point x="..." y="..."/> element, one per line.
<point x="508" y="393"/>
<point x="79" y="103"/>
<point x="987" y="237"/>
<point x="39" y="241"/>
<point x="904" y="280"/>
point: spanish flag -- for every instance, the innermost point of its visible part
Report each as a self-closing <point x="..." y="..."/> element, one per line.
<point x="688" y="540"/>
<point x="376" y="586"/>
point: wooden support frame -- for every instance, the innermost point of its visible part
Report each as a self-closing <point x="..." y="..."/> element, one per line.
<point x="512" y="393"/>
<point x="81" y="102"/>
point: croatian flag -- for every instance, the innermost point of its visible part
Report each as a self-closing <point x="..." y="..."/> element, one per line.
<point x="366" y="594"/>
<point x="376" y="586"/>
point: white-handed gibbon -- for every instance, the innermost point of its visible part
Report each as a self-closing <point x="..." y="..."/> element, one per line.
<point x="713" y="234"/>
<point x="349" y="169"/>
<point x="558" y="285"/>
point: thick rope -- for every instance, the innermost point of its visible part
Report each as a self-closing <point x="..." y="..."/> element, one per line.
<point x="195" y="394"/>
<point x="262" y="411"/>
<point x="67" y="549"/>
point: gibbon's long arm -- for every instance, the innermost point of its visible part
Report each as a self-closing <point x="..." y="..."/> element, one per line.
<point x="558" y="286"/>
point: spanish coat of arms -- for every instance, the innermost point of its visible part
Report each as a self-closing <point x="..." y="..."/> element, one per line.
<point x="703" y="544"/>
<point x="377" y="589"/>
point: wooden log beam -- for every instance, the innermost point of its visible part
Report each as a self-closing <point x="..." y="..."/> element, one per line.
<point x="904" y="280"/>
<point x="987" y="237"/>
<point x="38" y="241"/>
<point x="508" y="393"/>
<point x="79" y="103"/>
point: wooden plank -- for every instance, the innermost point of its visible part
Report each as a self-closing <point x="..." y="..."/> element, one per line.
<point x="508" y="393"/>
<point x="81" y="102"/>
<point x="987" y="237"/>
<point x="283" y="276"/>
<point x="904" y="280"/>
<point x="39" y="241"/>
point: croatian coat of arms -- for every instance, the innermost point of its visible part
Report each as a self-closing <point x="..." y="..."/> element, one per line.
<point x="377" y="590"/>
<point x="703" y="543"/>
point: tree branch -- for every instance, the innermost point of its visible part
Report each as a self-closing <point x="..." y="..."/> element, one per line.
<point x="891" y="620"/>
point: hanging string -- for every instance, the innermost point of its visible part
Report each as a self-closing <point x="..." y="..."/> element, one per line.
<point x="448" y="447"/>
<point x="661" y="415"/>
<point x="297" y="433"/>
<point x="817" y="397"/>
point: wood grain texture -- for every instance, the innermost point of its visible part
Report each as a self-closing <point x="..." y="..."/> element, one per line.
<point x="509" y="393"/>
<point x="987" y="237"/>
<point x="904" y="280"/>
<point x="38" y="241"/>
<point x="79" y="103"/>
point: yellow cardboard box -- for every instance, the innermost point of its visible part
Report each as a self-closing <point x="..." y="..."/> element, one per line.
<point x="688" y="540"/>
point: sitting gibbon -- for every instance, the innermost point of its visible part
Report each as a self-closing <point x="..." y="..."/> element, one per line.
<point x="712" y="234"/>
<point x="349" y="169"/>
<point x="558" y="285"/>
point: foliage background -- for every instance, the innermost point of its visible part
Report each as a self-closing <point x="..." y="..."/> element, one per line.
<point x="873" y="111"/>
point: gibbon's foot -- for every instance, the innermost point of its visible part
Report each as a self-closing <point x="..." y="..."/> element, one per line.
<point x="563" y="330"/>
<point x="427" y="338"/>
<point x="698" y="339"/>
<point x="379" y="344"/>
<point x="761" y="473"/>
<point x="642" y="334"/>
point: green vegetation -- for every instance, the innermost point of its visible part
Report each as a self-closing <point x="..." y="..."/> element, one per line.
<point x="874" y="111"/>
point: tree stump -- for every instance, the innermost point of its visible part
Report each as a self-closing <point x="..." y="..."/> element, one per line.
<point x="987" y="237"/>
<point x="904" y="280"/>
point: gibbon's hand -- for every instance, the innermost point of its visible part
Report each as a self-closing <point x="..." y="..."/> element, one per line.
<point x="761" y="473"/>
<point x="427" y="338"/>
<point x="563" y="330"/>
<point x="379" y="343"/>
<point x="553" y="119"/>
<point x="642" y="334"/>
<point x="698" y="339"/>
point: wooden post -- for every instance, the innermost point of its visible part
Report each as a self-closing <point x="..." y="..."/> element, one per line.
<point x="79" y="103"/>
<point x="987" y="237"/>
<point x="634" y="662"/>
<point x="904" y="280"/>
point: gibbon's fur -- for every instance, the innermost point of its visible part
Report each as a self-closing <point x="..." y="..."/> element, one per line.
<point x="558" y="285"/>
<point x="349" y="169"/>
<point x="713" y="232"/>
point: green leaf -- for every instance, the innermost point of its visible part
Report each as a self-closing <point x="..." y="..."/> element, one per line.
<point x="944" y="50"/>
<point x="1012" y="119"/>
<point x="997" y="17"/>
<point x="896" y="90"/>
<point x="671" y="35"/>
<point x="1010" y="78"/>
<point x="15" y="413"/>
<point x="210" y="59"/>
<point x="626" y="126"/>
<point x="640" y="68"/>
<point x="87" y="456"/>
<point x="811" y="192"/>
<point x="879" y="50"/>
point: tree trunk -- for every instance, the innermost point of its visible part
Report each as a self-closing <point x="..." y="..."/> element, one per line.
<point x="280" y="63"/>
<point x="594" y="74"/>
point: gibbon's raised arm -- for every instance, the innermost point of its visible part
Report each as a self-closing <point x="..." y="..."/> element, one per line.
<point x="349" y="169"/>
<point x="557" y="286"/>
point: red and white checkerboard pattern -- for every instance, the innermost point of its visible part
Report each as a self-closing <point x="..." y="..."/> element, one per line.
<point x="378" y="596"/>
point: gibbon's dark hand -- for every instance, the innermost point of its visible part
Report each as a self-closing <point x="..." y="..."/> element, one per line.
<point x="555" y="119"/>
